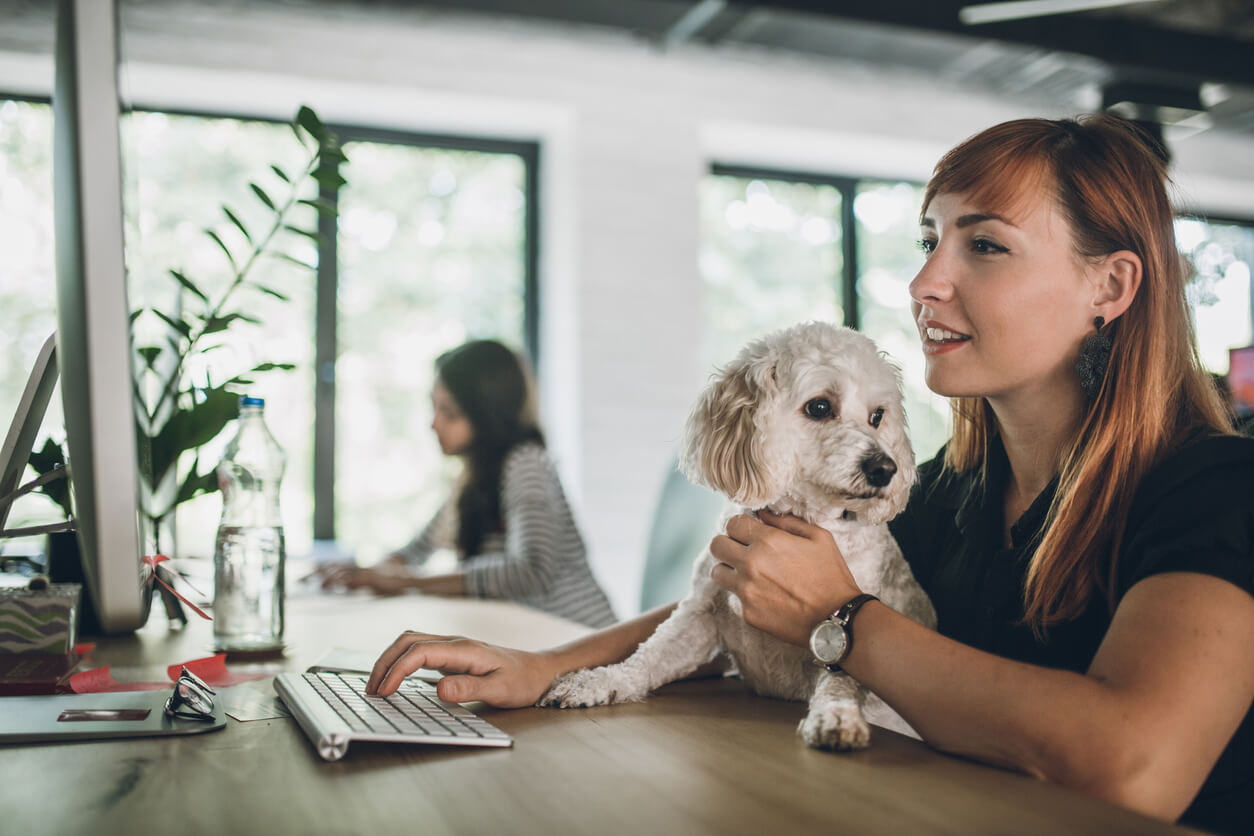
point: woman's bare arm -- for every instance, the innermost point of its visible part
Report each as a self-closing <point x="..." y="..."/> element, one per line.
<point x="1143" y="727"/>
<point x="502" y="676"/>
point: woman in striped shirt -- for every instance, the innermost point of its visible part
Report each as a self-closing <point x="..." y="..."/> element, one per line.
<point x="510" y="523"/>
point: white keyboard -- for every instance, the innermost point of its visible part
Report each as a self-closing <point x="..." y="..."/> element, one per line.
<point x="333" y="709"/>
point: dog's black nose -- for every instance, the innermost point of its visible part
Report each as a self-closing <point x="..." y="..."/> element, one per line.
<point x="879" y="469"/>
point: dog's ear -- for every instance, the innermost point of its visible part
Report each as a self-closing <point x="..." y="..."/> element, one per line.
<point x="725" y="438"/>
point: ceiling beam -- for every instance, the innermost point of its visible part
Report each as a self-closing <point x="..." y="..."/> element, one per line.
<point x="1130" y="45"/>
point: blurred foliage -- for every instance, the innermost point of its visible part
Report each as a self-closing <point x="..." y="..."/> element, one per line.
<point x="180" y="408"/>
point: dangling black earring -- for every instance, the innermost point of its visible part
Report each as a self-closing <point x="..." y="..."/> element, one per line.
<point x="1094" y="358"/>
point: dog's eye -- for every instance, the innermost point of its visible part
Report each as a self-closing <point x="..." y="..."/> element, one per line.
<point x="819" y="409"/>
<point x="876" y="417"/>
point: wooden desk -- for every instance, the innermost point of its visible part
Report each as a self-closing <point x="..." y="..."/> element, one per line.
<point x="697" y="757"/>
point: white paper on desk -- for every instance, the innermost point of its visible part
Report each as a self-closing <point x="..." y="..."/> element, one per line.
<point x="250" y="701"/>
<point x="344" y="660"/>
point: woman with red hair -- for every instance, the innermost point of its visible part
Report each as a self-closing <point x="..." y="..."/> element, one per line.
<point x="1086" y="536"/>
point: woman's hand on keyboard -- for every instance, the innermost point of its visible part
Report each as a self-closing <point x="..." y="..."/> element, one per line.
<point x="473" y="670"/>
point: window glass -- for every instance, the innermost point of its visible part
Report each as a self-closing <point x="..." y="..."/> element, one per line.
<point x="770" y="257"/>
<point x="431" y="253"/>
<point x="27" y="293"/>
<point x="887" y="217"/>
<point x="1220" y="256"/>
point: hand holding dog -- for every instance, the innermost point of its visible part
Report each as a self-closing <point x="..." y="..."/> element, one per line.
<point x="788" y="574"/>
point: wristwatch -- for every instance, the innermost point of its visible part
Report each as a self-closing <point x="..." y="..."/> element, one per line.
<point x="831" y="640"/>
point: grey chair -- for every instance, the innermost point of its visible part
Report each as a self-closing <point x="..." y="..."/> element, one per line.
<point x="684" y="522"/>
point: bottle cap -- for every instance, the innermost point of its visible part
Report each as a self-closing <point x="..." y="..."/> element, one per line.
<point x="251" y="401"/>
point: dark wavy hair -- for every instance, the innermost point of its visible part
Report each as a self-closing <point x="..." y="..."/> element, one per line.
<point x="493" y="389"/>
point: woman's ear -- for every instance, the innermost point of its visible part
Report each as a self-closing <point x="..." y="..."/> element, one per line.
<point x="723" y="443"/>
<point x="1116" y="280"/>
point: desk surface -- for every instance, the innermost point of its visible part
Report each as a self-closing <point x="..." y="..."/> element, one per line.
<point x="697" y="757"/>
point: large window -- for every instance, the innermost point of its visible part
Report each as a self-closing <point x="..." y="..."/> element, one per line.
<point x="435" y="242"/>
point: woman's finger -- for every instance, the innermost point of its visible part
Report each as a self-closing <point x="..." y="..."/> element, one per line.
<point x="725" y="577"/>
<point x="744" y="529"/>
<point x="448" y="656"/>
<point x="386" y="659"/>
<point x="791" y="524"/>
<point x="728" y="551"/>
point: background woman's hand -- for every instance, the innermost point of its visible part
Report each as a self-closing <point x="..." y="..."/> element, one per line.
<point x="788" y="574"/>
<point x="381" y="581"/>
<point x="473" y="670"/>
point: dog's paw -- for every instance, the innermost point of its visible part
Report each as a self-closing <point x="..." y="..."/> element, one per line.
<point x="589" y="687"/>
<point x="838" y="726"/>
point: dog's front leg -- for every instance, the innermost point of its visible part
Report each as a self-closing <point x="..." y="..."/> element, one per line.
<point x="681" y="644"/>
<point x="835" y="718"/>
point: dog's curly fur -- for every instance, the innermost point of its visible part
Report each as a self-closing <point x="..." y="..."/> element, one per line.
<point x="750" y="437"/>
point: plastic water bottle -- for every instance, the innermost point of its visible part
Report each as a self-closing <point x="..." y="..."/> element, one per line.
<point x="248" y="561"/>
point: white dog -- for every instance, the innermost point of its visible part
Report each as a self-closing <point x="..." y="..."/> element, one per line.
<point x="806" y="421"/>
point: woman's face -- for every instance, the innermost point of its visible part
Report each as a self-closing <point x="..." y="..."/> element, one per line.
<point x="451" y="425"/>
<point x="1002" y="303"/>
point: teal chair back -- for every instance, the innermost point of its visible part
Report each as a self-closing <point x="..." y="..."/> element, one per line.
<point x="684" y="522"/>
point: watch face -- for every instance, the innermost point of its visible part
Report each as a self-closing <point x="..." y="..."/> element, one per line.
<point x="828" y="642"/>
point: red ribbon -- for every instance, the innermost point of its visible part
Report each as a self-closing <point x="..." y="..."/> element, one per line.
<point x="151" y="561"/>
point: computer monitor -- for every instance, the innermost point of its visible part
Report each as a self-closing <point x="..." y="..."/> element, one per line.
<point x="94" y="353"/>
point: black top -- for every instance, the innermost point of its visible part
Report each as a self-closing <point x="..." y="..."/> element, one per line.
<point x="1193" y="513"/>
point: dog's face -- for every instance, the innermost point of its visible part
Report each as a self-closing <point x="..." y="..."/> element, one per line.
<point x="808" y="419"/>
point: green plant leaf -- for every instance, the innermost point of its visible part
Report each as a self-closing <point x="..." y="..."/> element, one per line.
<point x="150" y="354"/>
<point x="307" y="119"/>
<point x="224" y="247"/>
<point x="272" y="367"/>
<point x="329" y="178"/>
<point x="282" y="175"/>
<point x="189" y="427"/>
<point x="238" y="223"/>
<point x="220" y="323"/>
<point x="48" y="458"/>
<point x="295" y="260"/>
<point x="263" y="197"/>
<point x="189" y="284"/>
<point x="272" y="292"/>
<point x="324" y="206"/>
<point x="196" y="483"/>
<point x="177" y="324"/>
<point x="313" y="236"/>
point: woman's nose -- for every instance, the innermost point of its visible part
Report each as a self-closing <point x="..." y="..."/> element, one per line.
<point x="932" y="282"/>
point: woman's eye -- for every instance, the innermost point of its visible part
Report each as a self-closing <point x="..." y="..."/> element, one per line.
<point x="876" y="417"/>
<point x="926" y="245"/>
<point x="983" y="246"/>
<point x="819" y="409"/>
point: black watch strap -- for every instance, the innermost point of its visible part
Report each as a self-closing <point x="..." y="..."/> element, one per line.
<point x="843" y="617"/>
<point x="846" y="613"/>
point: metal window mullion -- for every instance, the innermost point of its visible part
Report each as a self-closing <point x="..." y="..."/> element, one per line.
<point x="325" y="350"/>
<point x="849" y="246"/>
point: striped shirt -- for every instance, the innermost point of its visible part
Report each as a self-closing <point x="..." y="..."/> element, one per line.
<point x="540" y="559"/>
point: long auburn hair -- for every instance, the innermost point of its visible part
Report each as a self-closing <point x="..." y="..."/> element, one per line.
<point x="1108" y="177"/>
<point x="493" y="389"/>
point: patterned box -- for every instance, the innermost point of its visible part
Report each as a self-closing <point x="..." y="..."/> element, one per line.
<point x="42" y="620"/>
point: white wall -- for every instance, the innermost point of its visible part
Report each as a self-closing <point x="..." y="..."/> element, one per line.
<point x="626" y="132"/>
